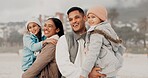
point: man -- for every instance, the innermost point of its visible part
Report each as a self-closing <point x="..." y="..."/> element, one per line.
<point x="70" y="47"/>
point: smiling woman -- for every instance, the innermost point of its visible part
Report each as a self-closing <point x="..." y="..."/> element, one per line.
<point x="45" y="65"/>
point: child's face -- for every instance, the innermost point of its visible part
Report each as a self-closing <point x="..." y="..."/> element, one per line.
<point x="33" y="28"/>
<point x="93" y="19"/>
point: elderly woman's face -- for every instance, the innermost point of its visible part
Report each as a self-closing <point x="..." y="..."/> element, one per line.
<point x="49" y="28"/>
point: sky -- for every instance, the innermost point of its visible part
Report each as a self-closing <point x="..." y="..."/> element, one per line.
<point x="21" y="10"/>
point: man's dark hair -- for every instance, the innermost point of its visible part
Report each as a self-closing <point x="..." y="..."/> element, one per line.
<point x="75" y="8"/>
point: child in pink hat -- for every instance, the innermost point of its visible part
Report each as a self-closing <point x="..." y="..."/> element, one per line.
<point x="102" y="45"/>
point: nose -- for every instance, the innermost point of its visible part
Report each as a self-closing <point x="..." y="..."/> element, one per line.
<point x="45" y="26"/>
<point x="32" y="29"/>
<point x="90" y="20"/>
<point x="74" y="20"/>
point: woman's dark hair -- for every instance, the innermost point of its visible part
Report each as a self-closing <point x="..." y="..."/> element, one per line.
<point x="59" y="25"/>
<point x="39" y="34"/>
<point x="75" y="8"/>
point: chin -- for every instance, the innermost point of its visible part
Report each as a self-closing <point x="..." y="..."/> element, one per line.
<point x="48" y="36"/>
<point x="76" y="29"/>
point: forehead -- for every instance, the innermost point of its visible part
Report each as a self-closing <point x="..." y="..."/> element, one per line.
<point x="32" y="24"/>
<point x="49" y="22"/>
<point x="74" y="13"/>
<point x="91" y="14"/>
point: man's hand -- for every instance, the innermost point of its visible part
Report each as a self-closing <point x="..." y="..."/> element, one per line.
<point x="81" y="76"/>
<point x="95" y="73"/>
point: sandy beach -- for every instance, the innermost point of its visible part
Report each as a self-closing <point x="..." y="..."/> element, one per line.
<point x="135" y="66"/>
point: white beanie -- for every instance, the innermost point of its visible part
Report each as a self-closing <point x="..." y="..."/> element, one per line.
<point x="35" y="20"/>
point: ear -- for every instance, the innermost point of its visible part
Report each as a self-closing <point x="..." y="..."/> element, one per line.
<point x="85" y="18"/>
<point x="57" y="30"/>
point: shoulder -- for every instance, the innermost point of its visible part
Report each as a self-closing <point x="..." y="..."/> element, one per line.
<point x="62" y="41"/>
<point x="29" y="35"/>
<point x="69" y="34"/>
<point x="49" y="46"/>
<point x="26" y="36"/>
<point x="62" y="37"/>
<point x="96" y="35"/>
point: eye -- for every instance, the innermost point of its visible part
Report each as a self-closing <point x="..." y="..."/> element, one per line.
<point x="70" y="19"/>
<point x="93" y="16"/>
<point x="88" y="17"/>
<point x="50" y="26"/>
<point x="77" y="17"/>
<point x="29" y="27"/>
<point x="45" y="25"/>
<point x="34" y="25"/>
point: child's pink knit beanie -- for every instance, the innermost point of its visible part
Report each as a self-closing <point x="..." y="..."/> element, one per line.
<point x="99" y="11"/>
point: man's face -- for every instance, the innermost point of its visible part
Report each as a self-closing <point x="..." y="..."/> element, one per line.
<point x="77" y="21"/>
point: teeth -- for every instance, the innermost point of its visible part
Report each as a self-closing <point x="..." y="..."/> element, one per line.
<point x="33" y="32"/>
<point x="46" y="31"/>
<point x="75" y="24"/>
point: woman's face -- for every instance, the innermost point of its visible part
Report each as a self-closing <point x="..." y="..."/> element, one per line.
<point x="49" y="28"/>
<point x="33" y="28"/>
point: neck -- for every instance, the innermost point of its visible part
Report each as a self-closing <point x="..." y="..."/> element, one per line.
<point x="54" y="37"/>
<point x="81" y="32"/>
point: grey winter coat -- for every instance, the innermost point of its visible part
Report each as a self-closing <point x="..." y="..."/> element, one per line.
<point x="100" y="51"/>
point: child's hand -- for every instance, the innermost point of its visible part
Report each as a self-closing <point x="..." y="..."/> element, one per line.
<point x="53" y="41"/>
